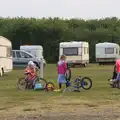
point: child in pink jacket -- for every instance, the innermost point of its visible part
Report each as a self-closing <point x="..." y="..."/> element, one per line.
<point x="118" y="69"/>
<point x="62" y="67"/>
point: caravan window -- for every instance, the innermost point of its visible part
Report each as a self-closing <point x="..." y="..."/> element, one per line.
<point x="117" y="51"/>
<point x="13" y="53"/>
<point x="9" y="52"/>
<point x="85" y="50"/>
<point x="70" y="51"/>
<point x="109" y="50"/>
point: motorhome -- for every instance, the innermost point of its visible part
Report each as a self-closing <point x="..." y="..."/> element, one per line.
<point x="6" y="63"/>
<point x="107" y="52"/>
<point x="36" y="50"/>
<point x="77" y="53"/>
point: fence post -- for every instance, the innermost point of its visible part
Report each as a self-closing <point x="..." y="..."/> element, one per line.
<point x="41" y="68"/>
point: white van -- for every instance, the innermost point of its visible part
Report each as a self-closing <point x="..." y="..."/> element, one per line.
<point x="77" y="53"/>
<point x="107" y="52"/>
<point x="36" y="50"/>
<point x="6" y="64"/>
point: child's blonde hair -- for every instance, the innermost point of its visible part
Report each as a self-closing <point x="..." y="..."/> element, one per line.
<point x="63" y="57"/>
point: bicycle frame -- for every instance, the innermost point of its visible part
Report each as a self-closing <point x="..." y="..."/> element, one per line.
<point x="77" y="81"/>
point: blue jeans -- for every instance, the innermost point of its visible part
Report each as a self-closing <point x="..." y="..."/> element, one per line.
<point x="118" y="76"/>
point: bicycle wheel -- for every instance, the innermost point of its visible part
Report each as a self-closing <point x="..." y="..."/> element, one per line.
<point x="86" y="83"/>
<point x="50" y="86"/>
<point x="42" y="82"/>
<point x="21" y="84"/>
<point x="114" y="85"/>
<point x="68" y="89"/>
<point x="118" y="84"/>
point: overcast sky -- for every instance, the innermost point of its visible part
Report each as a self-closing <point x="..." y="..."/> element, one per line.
<point x="85" y="9"/>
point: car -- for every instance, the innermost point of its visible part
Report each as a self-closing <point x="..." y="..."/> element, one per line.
<point x="21" y="59"/>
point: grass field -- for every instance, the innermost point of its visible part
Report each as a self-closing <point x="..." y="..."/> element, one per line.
<point x="101" y="102"/>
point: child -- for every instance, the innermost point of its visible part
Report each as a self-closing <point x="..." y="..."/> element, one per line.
<point x="31" y="73"/>
<point x="113" y="79"/>
<point x="68" y="74"/>
<point x="114" y="74"/>
<point x="118" y="69"/>
<point x="62" y="67"/>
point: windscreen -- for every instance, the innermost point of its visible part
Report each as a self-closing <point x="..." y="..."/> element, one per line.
<point x="70" y="51"/>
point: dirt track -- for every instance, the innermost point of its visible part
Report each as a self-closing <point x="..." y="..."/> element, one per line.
<point x="62" y="112"/>
<point x="65" y="116"/>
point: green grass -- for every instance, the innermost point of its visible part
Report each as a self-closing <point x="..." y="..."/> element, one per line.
<point x="101" y="91"/>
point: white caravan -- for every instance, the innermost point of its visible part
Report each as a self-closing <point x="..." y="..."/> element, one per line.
<point x="6" y="63"/>
<point x="36" y="50"/>
<point x="77" y="53"/>
<point x="107" y="52"/>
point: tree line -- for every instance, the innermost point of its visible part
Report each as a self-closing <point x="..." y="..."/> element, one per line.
<point x="51" y="31"/>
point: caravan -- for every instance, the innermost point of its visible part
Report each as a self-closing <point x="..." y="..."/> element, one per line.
<point x="107" y="52"/>
<point x="6" y="63"/>
<point x="77" y="52"/>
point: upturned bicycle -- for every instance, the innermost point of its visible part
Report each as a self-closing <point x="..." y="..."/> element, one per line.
<point x="79" y="82"/>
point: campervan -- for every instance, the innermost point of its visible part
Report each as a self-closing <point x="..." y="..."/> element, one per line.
<point x="36" y="50"/>
<point x="6" y="64"/>
<point x="107" y="52"/>
<point x="77" y="53"/>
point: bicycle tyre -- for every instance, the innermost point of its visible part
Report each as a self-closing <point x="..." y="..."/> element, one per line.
<point x="43" y="82"/>
<point x="50" y="86"/>
<point x="22" y="79"/>
<point x="68" y="89"/>
<point x="83" y="82"/>
<point x="118" y="84"/>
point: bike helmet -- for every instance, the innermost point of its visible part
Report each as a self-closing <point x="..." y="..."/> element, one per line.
<point x="31" y="63"/>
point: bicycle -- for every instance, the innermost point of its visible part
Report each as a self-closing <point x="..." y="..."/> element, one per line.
<point x="40" y="83"/>
<point x="114" y="83"/>
<point x="79" y="82"/>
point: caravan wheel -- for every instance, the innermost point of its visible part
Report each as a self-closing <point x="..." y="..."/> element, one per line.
<point x="1" y="72"/>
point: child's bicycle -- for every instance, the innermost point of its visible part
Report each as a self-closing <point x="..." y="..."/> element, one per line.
<point x="80" y="82"/>
<point x="114" y="83"/>
<point x="40" y="84"/>
<point x="75" y="85"/>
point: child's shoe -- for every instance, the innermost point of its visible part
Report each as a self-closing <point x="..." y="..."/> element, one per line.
<point x="57" y="90"/>
<point x="111" y="80"/>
